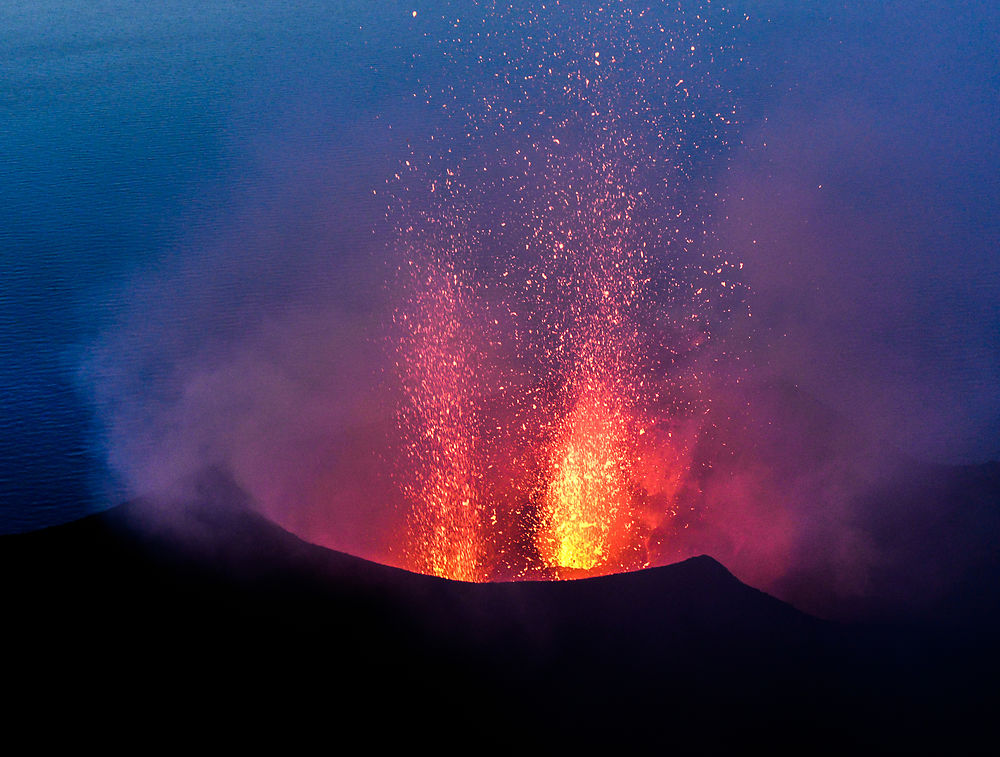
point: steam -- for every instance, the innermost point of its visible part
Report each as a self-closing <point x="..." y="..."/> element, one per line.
<point x="255" y="347"/>
<point x="858" y="207"/>
<point x="861" y="207"/>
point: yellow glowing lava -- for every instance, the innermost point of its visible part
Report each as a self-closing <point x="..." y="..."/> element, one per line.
<point x="558" y="286"/>
<point x="586" y="496"/>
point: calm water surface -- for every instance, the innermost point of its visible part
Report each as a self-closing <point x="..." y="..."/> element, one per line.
<point x="122" y="129"/>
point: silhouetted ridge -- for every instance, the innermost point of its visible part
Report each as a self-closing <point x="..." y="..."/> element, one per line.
<point x="222" y="604"/>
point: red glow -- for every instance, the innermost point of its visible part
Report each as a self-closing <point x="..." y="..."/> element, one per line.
<point x="585" y="517"/>
<point x="554" y="286"/>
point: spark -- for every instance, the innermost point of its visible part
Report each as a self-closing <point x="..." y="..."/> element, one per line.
<point x="560" y="286"/>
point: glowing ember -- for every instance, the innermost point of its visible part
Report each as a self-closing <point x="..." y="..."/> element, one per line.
<point x="438" y="378"/>
<point x="560" y="288"/>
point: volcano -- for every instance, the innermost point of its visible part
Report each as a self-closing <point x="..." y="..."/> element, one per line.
<point x="216" y="606"/>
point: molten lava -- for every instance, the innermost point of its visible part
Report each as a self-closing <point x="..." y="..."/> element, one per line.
<point x="585" y="508"/>
<point x="558" y="292"/>
<point x="438" y="379"/>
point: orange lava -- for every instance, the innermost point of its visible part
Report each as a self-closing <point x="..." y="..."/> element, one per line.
<point x="585" y="507"/>
<point x="558" y="291"/>
<point x="438" y="380"/>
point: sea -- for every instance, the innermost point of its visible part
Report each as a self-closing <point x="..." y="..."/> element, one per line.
<point x="862" y="192"/>
<point x="123" y="127"/>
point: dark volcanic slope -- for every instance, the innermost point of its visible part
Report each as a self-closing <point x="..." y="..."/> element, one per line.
<point x="239" y="612"/>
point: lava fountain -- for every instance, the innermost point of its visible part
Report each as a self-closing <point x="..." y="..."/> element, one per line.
<point x="586" y="505"/>
<point x="438" y="379"/>
<point x="556" y="282"/>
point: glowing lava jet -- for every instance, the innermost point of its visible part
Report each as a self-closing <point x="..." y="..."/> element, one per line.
<point x="438" y="380"/>
<point x="585" y="514"/>
<point x="546" y="261"/>
<point x="585" y="506"/>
